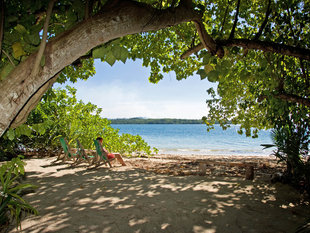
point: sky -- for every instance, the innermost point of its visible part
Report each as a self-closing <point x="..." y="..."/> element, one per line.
<point x="124" y="91"/>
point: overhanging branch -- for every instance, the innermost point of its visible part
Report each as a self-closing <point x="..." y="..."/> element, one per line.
<point x="192" y="50"/>
<point x="126" y="18"/>
<point x="1" y="24"/>
<point x="288" y="98"/>
<point x="260" y="31"/>
<point x="206" y="40"/>
<point x="232" y="33"/>
<point x="225" y="16"/>
<point x="265" y="46"/>
<point x="9" y="57"/>
<point x="268" y="47"/>
<point x="36" y="65"/>
<point x="294" y="99"/>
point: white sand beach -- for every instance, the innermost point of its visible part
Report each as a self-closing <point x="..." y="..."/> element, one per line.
<point x="162" y="194"/>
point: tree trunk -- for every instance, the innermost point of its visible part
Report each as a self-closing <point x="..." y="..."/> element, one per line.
<point x="18" y="90"/>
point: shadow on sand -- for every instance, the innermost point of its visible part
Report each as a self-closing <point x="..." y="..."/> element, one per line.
<point x="131" y="200"/>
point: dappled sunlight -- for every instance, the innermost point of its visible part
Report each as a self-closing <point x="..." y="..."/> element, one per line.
<point x="164" y="226"/>
<point x="133" y="222"/>
<point x="134" y="200"/>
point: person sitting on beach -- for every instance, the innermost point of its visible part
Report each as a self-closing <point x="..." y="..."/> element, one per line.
<point x="111" y="155"/>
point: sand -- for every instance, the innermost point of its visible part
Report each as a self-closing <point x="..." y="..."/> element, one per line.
<point x="162" y="194"/>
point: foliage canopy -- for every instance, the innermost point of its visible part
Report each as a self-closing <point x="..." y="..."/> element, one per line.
<point x="60" y="114"/>
<point x="263" y="46"/>
<point x="257" y="51"/>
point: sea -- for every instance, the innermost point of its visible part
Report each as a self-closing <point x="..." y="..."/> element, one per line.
<point x="194" y="139"/>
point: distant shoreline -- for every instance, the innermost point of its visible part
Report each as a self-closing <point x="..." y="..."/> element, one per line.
<point x="140" y="120"/>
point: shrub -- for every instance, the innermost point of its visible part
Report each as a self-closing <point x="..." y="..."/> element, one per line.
<point x="12" y="205"/>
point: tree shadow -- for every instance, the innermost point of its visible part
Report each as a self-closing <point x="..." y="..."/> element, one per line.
<point x="132" y="200"/>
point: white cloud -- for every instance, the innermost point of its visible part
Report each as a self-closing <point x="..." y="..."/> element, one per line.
<point x="123" y="91"/>
<point x="131" y="101"/>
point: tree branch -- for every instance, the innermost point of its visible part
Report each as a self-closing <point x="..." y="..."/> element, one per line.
<point x="294" y="99"/>
<point x="39" y="56"/>
<point x="1" y="24"/>
<point x="87" y="10"/>
<point x="33" y="100"/>
<point x="110" y="4"/>
<point x="8" y="56"/>
<point x="174" y="3"/>
<point x="192" y="50"/>
<point x="231" y="36"/>
<point x="186" y="3"/>
<point x="289" y="21"/>
<point x="207" y="41"/>
<point x="224" y="20"/>
<point x="127" y="18"/>
<point x="260" y="31"/>
<point x="288" y="98"/>
<point x="78" y="62"/>
<point x="304" y="73"/>
<point x="265" y="46"/>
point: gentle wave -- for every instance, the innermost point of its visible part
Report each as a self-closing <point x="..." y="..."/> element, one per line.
<point x="194" y="139"/>
<point x="212" y="152"/>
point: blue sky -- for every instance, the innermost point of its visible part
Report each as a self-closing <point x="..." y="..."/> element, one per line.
<point x="123" y="91"/>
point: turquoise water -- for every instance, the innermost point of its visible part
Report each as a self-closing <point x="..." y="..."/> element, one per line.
<point x="194" y="139"/>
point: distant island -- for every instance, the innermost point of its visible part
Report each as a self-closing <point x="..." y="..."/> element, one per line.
<point x="141" y="120"/>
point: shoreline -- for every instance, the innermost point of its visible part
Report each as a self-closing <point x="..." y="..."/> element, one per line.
<point x="232" y="156"/>
<point x="188" y="152"/>
<point x="215" y="165"/>
<point x="184" y="164"/>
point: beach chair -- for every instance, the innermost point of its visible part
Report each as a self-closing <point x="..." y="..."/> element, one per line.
<point x="102" y="155"/>
<point x="68" y="154"/>
<point x="82" y="156"/>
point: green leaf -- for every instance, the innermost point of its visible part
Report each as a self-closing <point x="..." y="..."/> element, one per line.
<point x="21" y="29"/>
<point x="42" y="62"/>
<point x="244" y="75"/>
<point x="10" y="134"/>
<point x="6" y="71"/>
<point x="116" y="50"/>
<point x="22" y="186"/>
<point x="120" y="53"/>
<point x="18" y="50"/>
<point x="109" y="58"/>
<point x="23" y="130"/>
<point x="124" y="55"/>
<point x="208" y="68"/>
<point x="33" y="39"/>
<point x="100" y="52"/>
<point x="213" y="76"/>
<point x="29" y="48"/>
<point x="206" y="59"/>
<point x="12" y="18"/>
<point x="78" y="7"/>
<point x="202" y="73"/>
<point x="39" y="128"/>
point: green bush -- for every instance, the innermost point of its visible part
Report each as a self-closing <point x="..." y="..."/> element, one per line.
<point x="12" y="205"/>
<point x="292" y="148"/>
<point x="60" y="114"/>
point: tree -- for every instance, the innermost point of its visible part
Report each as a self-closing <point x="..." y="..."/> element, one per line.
<point x="247" y="45"/>
<point x="60" y="114"/>
<point x="71" y="33"/>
